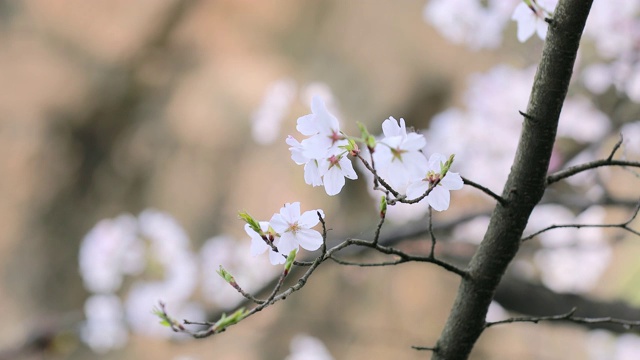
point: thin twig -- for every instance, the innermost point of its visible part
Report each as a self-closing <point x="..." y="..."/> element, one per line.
<point x="376" y="237"/>
<point x="615" y="148"/>
<point x="424" y="348"/>
<point x="534" y="320"/>
<point x="569" y="316"/>
<point x="376" y="176"/>
<point x="485" y="190"/>
<point x="563" y="174"/>
<point x="623" y="225"/>
<point x="433" y="236"/>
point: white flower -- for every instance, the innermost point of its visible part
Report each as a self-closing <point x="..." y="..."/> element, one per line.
<point x="258" y="246"/>
<point x="323" y="129"/>
<point x="530" y="16"/>
<point x="311" y="172"/>
<point x="295" y="229"/>
<point x="439" y="197"/>
<point x="398" y="158"/>
<point x="333" y="171"/>
<point x="325" y="162"/>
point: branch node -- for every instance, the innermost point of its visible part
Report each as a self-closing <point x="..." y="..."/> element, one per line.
<point x="526" y="116"/>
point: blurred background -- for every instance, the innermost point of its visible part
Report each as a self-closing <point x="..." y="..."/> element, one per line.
<point x="179" y="109"/>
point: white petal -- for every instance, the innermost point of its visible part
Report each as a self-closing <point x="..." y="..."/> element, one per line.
<point x="309" y="239"/>
<point x="316" y="147"/>
<point x="287" y="243"/>
<point x="439" y="198"/>
<point x="258" y="246"/>
<point x="333" y="181"/>
<point x="291" y="212"/>
<point x="347" y="168"/>
<point x="278" y="223"/>
<point x="452" y="181"/>
<point x="309" y="219"/>
<point x="276" y="258"/>
<point x="312" y="174"/>
<point x="435" y="160"/>
<point x="416" y="189"/>
<point x="541" y="28"/>
<point x="296" y="151"/>
<point x="526" y="21"/>
<point x="307" y="125"/>
<point x="391" y="128"/>
<point x="414" y="142"/>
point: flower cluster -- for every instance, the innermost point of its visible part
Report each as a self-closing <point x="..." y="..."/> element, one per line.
<point x="287" y="230"/>
<point x="397" y="157"/>
<point x="152" y="246"/>
<point x="323" y="153"/>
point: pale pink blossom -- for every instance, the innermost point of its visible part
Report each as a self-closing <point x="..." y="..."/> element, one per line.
<point x="259" y="246"/>
<point x="439" y="197"/>
<point x="295" y="229"/>
<point x="397" y="156"/>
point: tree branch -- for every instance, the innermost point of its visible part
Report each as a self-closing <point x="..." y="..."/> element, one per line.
<point x="563" y="174"/>
<point x="525" y="185"/>
<point x="485" y="190"/>
<point x="623" y="226"/>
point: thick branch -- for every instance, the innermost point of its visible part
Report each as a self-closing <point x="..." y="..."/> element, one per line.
<point x="524" y="187"/>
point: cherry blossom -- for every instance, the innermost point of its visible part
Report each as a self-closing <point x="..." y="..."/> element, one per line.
<point x="259" y="246"/>
<point x="333" y="170"/>
<point x="439" y="197"/>
<point x="398" y="157"/>
<point x="312" y="174"/>
<point x="322" y="153"/>
<point x="323" y="129"/>
<point x="530" y="16"/>
<point x="295" y="229"/>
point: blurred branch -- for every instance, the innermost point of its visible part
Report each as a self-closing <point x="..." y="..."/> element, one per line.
<point x="623" y="226"/>
<point x="535" y="300"/>
<point x="569" y="317"/>
<point x="563" y="174"/>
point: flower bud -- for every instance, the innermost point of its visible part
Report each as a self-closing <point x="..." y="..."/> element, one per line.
<point x="383" y="206"/>
<point x="255" y="226"/>
<point x="290" y="259"/>
<point x="226" y="275"/>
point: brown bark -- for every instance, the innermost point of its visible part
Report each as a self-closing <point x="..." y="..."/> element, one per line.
<point x="525" y="185"/>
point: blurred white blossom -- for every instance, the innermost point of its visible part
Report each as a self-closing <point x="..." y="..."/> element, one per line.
<point x="470" y="22"/>
<point x="631" y="136"/>
<point x="153" y="245"/>
<point x="250" y="272"/>
<point x="277" y="101"/>
<point x="305" y="347"/>
<point x="104" y="328"/>
<point x="572" y="260"/>
<point x="484" y="156"/>
<point x="580" y="120"/>
<point x="110" y="250"/>
<point x="603" y="345"/>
